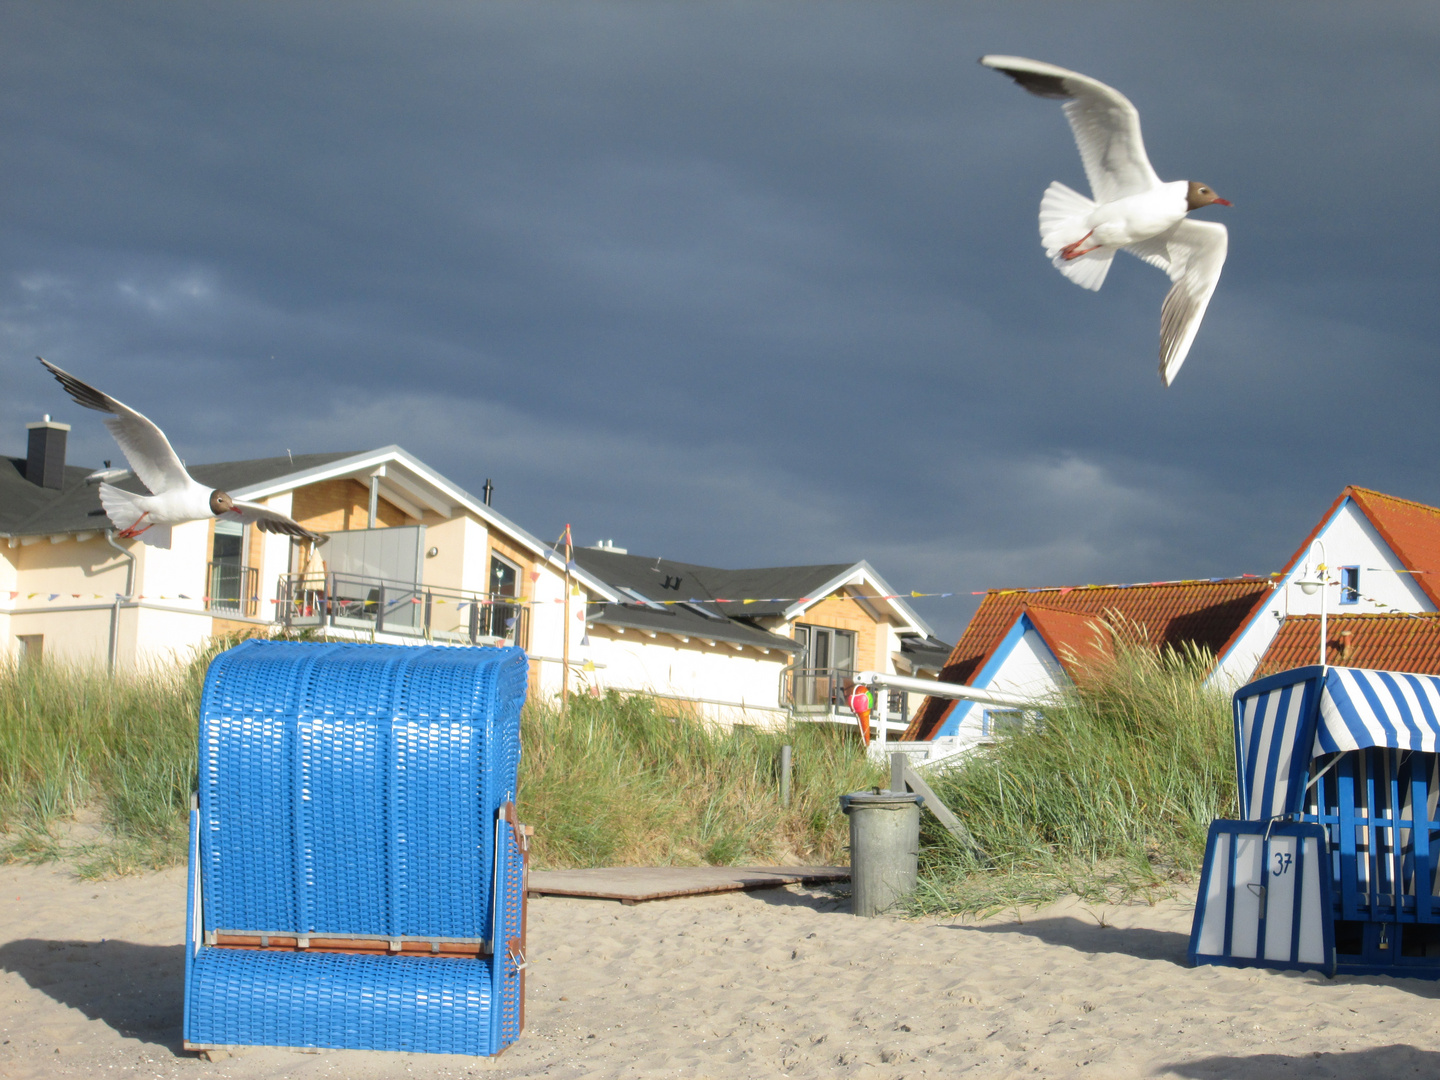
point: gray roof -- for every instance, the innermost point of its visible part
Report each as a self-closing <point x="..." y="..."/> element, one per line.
<point x="926" y="653"/>
<point x="774" y="588"/>
<point x="693" y="596"/>
<point x="27" y="509"/>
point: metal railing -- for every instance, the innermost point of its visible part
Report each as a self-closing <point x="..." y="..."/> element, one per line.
<point x="812" y="690"/>
<point x="400" y="607"/>
<point x="232" y="589"/>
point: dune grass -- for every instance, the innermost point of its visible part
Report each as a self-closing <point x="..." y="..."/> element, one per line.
<point x="616" y="781"/>
<point x="1110" y="795"/>
<point x="76" y="742"/>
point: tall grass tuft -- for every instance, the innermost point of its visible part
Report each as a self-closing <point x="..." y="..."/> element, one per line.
<point x="1114" y="789"/>
<point x="74" y="740"/>
<point x="615" y="781"/>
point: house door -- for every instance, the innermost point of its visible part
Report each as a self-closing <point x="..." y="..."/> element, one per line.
<point x="228" y="584"/>
<point x="828" y="658"/>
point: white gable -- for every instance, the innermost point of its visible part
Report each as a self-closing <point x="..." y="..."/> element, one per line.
<point x="1349" y="540"/>
<point x="1022" y="665"/>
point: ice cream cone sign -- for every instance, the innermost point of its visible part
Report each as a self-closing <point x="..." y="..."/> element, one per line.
<point x="861" y="702"/>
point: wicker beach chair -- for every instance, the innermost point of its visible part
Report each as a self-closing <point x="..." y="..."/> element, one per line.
<point x="1338" y="771"/>
<point x="357" y="875"/>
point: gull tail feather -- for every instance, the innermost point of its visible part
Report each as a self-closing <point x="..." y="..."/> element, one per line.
<point x="125" y="509"/>
<point x="1063" y="212"/>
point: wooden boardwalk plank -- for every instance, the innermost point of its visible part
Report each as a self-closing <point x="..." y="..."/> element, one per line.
<point x="633" y="884"/>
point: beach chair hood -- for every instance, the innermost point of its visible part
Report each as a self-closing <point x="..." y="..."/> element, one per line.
<point x="1283" y="723"/>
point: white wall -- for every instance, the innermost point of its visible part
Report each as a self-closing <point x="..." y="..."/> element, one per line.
<point x="665" y="665"/>
<point x="548" y="629"/>
<point x="1029" y="669"/>
<point x="1350" y="540"/>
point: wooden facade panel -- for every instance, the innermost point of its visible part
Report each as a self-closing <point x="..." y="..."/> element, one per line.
<point x="337" y="505"/>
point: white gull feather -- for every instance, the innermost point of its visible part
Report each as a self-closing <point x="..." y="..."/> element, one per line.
<point x="1133" y="210"/>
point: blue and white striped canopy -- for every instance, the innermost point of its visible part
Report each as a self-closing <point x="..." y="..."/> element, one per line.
<point x="1285" y="721"/>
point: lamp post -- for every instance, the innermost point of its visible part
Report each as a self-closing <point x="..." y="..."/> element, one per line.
<point x="1316" y="580"/>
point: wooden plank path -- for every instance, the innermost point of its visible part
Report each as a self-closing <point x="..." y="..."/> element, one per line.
<point x="634" y="884"/>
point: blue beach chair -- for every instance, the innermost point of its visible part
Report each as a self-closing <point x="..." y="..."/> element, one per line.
<point x="1353" y="755"/>
<point x="357" y="875"/>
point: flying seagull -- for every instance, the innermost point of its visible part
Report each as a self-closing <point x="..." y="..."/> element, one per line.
<point x="1132" y="209"/>
<point x="175" y="496"/>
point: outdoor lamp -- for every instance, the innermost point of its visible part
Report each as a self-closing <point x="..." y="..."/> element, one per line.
<point x="1317" y="575"/>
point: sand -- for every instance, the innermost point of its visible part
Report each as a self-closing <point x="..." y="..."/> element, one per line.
<point x="774" y="983"/>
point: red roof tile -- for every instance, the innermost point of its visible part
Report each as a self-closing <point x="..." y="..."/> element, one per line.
<point x="1385" y="642"/>
<point x="1208" y="613"/>
<point x="1076" y="639"/>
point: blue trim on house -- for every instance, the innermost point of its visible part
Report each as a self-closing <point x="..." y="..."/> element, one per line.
<point x="1002" y="652"/>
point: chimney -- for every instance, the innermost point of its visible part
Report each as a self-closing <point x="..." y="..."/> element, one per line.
<point x="489" y="490"/>
<point x="45" y="460"/>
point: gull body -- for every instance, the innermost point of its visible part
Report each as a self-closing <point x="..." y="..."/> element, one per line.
<point x="175" y="496"/>
<point x="1132" y="210"/>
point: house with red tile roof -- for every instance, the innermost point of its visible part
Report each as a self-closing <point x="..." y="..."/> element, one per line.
<point x="1380" y="557"/>
<point x="1033" y="642"/>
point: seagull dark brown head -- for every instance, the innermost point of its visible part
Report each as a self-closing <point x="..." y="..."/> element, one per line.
<point x="1201" y="195"/>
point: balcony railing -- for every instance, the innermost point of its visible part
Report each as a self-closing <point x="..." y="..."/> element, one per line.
<point x="826" y="691"/>
<point x="397" y="607"/>
<point x="232" y="589"/>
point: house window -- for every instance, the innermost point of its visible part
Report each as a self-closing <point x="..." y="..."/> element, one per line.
<point x="1000" y="721"/>
<point x="228" y="588"/>
<point x="1349" y="584"/>
<point x="32" y="648"/>
<point x="497" y="619"/>
<point x="826" y="647"/>
<point x="503" y="576"/>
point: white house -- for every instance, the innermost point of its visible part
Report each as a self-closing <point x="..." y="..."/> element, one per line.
<point x="1378" y="554"/>
<point x="750" y="645"/>
<point x="411" y="556"/>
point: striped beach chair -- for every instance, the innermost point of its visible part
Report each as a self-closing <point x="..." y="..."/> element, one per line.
<point x="1355" y="753"/>
<point x="357" y="874"/>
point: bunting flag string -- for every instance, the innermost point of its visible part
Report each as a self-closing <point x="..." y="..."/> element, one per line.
<point x="509" y="601"/>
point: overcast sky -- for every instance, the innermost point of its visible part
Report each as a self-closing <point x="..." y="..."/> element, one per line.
<point x="738" y="284"/>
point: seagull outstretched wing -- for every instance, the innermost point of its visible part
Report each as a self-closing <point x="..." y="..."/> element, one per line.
<point x="1106" y="125"/>
<point x="273" y="521"/>
<point x="145" y="447"/>
<point x="1192" y="254"/>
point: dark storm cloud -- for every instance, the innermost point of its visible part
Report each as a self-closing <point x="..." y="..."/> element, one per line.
<point x="737" y="284"/>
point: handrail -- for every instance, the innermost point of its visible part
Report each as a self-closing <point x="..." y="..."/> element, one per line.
<point x="935" y="688"/>
<point x="407" y="608"/>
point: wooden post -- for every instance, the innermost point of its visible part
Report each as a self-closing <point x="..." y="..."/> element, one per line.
<point x="785" y="775"/>
<point x="903" y="775"/>
<point x="565" y="637"/>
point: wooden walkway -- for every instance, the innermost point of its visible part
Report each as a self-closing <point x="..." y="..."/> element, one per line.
<point x="634" y="884"/>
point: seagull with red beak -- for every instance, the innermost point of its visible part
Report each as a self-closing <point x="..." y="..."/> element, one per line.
<point x="175" y="496"/>
<point x="1132" y="209"/>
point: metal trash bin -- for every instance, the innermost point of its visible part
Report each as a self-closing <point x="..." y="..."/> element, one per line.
<point x="884" y="848"/>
